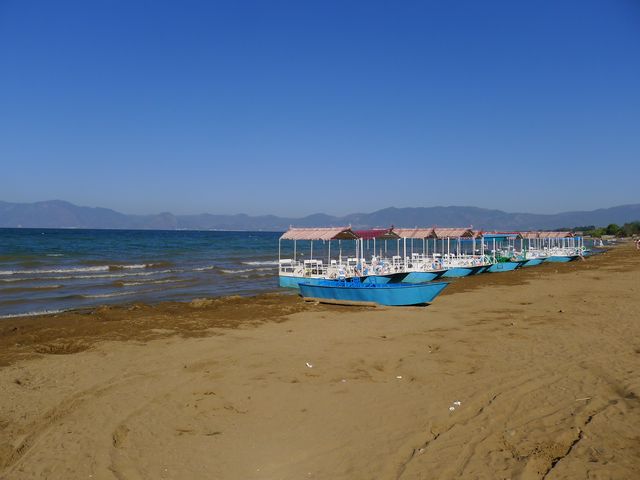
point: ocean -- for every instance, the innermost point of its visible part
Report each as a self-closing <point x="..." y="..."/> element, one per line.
<point x="50" y="270"/>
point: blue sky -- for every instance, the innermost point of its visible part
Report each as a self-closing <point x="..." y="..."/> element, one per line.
<point x="297" y="107"/>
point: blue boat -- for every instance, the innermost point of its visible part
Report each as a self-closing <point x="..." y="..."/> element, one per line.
<point x="457" y="272"/>
<point x="293" y="282"/>
<point x="358" y="293"/>
<point x="561" y="258"/>
<point x="421" y="277"/>
<point x="532" y="262"/>
<point x="503" y="267"/>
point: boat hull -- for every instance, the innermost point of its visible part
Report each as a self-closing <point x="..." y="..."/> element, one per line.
<point x="384" y="279"/>
<point x="421" y="277"/>
<point x="293" y="282"/>
<point x="503" y="267"/>
<point x="399" y="294"/>
<point x="532" y="262"/>
<point x="561" y="258"/>
<point x="286" y="281"/>
<point x="457" y="272"/>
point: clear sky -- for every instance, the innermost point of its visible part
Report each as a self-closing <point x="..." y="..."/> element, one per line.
<point x="299" y="107"/>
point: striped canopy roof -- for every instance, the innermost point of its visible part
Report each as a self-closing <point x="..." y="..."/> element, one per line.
<point x="546" y="234"/>
<point x="555" y="234"/>
<point x="501" y="235"/>
<point x="327" y="233"/>
<point x="415" y="232"/>
<point x="377" y="233"/>
<point x="453" y="232"/>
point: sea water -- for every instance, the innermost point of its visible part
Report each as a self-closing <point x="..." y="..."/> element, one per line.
<point x="50" y="270"/>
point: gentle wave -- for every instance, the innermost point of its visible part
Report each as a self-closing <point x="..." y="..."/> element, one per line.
<point x="152" y="282"/>
<point x="54" y="270"/>
<point x="85" y="277"/>
<point x="265" y="262"/>
<point x="204" y="269"/>
<point x="32" y="314"/>
<point x="30" y="289"/>
<point x="109" y="295"/>
<point x="96" y="268"/>
<point x="241" y="270"/>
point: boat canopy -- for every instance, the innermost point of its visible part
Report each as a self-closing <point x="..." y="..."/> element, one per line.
<point x="555" y="234"/>
<point x="330" y="233"/>
<point x="502" y="235"/>
<point x="453" y="232"/>
<point x="414" y="232"/>
<point x="378" y="234"/>
<point x="530" y="235"/>
<point x="547" y="234"/>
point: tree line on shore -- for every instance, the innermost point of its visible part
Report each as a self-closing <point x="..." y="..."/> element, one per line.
<point x="627" y="230"/>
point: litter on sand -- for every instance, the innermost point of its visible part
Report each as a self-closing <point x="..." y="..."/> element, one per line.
<point x="309" y="365"/>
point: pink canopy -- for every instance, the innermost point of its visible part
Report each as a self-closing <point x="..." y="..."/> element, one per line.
<point x="377" y="233"/>
<point x="546" y="234"/>
<point x="453" y="232"/>
<point x="414" y="232"/>
<point x="555" y="234"/>
<point x="327" y="233"/>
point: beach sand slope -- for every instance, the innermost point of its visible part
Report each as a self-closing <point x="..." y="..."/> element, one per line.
<point x="530" y="374"/>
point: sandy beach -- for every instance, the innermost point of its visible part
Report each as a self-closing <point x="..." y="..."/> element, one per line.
<point x="528" y="374"/>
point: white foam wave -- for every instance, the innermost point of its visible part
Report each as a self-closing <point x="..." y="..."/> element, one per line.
<point x="134" y="266"/>
<point x="203" y="269"/>
<point x="97" y="268"/>
<point x="109" y="295"/>
<point x="10" y="288"/>
<point x="85" y="277"/>
<point x="266" y="262"/>
<point x="101" y="268"/>
<point x="241" y="270"/>
<point x="31" y="314"/>
<point x="153" y="282"/>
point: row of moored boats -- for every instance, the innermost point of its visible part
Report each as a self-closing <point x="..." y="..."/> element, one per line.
<point x="398" y="266"/>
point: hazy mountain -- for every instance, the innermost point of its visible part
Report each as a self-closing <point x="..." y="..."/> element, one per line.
<point x="59" y="214"/>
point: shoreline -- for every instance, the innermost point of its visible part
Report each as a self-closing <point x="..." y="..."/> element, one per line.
<point x="530" y="374"/>
<point x="19" y="333"/>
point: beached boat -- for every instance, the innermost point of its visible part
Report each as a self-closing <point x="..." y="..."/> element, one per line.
<point x="504" y="266"/>
<point x="561" y="258"/>
<point x="503" y="250"/>
<point x="530" y="251"/>
<point x="456" y="272"/>
<point x="296" y="269"/>
<point x="421" y="265"/>
<point x="563" y="246"/>
<point x="532" y="262"/>
<point x="358" y="293"/>
<point x="458" y="252"/>
<point x="421" y="277"/>
<point x="554" y="246"/>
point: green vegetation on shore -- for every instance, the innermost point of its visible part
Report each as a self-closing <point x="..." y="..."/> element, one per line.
<point x="626" y="230"/>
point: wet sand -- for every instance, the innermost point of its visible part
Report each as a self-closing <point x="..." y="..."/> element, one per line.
<point x="529" y="374"/>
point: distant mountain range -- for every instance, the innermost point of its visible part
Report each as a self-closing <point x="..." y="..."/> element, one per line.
<point x="60" y="214"/>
